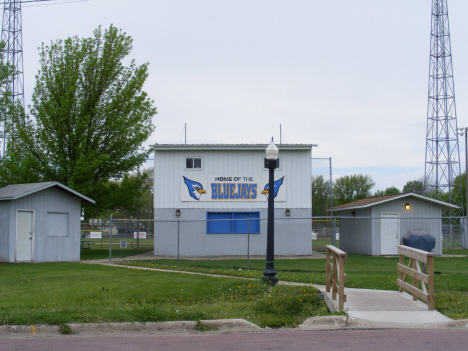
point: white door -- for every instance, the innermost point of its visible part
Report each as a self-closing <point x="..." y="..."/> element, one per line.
<point x="389" y="233"/>
<point x="24" y="235"/>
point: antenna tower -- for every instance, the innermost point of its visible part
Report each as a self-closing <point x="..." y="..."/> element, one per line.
<point x="12" y="36"/>
<point x="442" y="150"/>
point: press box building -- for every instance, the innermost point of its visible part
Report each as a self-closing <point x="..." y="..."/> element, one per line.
<point x="210" y="200"/>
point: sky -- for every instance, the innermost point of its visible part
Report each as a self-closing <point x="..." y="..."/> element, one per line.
<point x="348" y="75"/>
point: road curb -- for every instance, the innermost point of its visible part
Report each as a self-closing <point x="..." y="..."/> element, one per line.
<point x="220" y="326"/>
<point x="345" y="322"/>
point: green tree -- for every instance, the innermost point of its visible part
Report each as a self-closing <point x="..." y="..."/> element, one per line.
<point x="90" y="116"/>
<point x="320" y="196"/>
<point x="389" y="191"/>
<point x="351" y="188"/>
<point x="460" y="181"/>
<point x="414" y="186"/>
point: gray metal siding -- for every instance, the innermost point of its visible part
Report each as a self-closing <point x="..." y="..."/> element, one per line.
<point x="356" y="233"/>
<point x="49" y="248"/>
<point x="422" y="210"/>
<point x="169" y="166"/>
<point x="5" y="240"/>
<point x="292" y="235"/>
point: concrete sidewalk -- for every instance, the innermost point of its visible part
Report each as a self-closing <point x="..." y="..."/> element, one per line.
<point x="387" y="308"/>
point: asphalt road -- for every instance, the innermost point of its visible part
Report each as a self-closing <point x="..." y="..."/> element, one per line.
<point x="291" y="340"/>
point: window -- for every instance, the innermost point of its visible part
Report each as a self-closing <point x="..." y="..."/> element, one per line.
<point x="57" y="224"/>
<point x="233" y="222"/>
<point x="193" y="162"/>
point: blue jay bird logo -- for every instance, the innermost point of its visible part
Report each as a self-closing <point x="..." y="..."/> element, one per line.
<point x="278" y="183"/>
<point x="195" y="189"/>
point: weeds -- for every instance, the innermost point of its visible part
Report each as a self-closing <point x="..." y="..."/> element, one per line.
<point x="204" y="327"/>
<point x="64" y="329"/>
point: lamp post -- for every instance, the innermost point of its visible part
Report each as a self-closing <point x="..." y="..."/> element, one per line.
<point x="269" y="274"/>
<point x="464" y="132"/>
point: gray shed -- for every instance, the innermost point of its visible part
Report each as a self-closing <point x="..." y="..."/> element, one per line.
<point x="40" y="222"/>
<point x="376" y="226"/>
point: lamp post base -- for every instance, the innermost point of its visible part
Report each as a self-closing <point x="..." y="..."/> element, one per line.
<point x="269" y="274"/>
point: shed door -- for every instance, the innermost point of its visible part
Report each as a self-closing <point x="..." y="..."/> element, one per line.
<point x="24" y="235"/>
<point x="389" y="233"/>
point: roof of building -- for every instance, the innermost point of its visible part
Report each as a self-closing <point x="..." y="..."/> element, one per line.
<point x="377" y="200"/>
<point x="249" y="147"/>
<point x="16" y="191"/>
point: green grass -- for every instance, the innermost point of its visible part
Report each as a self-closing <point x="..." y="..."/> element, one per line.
<point x="320" y="244"/>
<point x="60" y="293"/>
<point x="455" y="252"/>
<point x="364" y="272"/>
<point x="97" y="254"/>
<point x="131" y="242"/>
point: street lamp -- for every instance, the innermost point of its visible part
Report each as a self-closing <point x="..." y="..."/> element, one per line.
<point x="269" y="274"/>
<point x="464" y="132"/>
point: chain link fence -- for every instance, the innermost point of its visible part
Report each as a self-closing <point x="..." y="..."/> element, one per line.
<point x="96" y="233"/>
<point x="293" y="236"/>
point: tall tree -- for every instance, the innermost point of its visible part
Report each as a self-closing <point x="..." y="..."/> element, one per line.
<point x="351" y="188"/>
<point x="320" y="196"/>
<point x="414" y="186"/>
<point x="389" y="191"/>
<point x="90" y="115"/>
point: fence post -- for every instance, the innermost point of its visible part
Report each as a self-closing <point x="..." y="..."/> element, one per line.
<point x="248" y="244"/>
<point x="178" y="241"/>
<point x="110" y="240"/>
<point x="333" y="232"/>
<point x="102" y="232"/>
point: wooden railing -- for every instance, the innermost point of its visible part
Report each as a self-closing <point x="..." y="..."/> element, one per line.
<point x="419" y="278"/>
<point x="336" y="277"/>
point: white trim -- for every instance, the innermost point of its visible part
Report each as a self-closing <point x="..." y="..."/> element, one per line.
<point x="424" y="198"/>
<point x="235" y="147"/>
<point x="50" y="185"/>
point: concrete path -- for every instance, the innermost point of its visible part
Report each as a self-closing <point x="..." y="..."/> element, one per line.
<point x="366" y="307"/>
<point x="388" y="308"/>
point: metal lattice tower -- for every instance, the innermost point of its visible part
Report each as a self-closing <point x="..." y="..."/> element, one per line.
<point x="12" y="36"/>
<point x="442" y="150"/>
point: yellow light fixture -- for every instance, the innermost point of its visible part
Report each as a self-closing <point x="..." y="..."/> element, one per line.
<point x="288" y="212"/>
<point x="177" y="213"/>
<point x="407" y="206"/>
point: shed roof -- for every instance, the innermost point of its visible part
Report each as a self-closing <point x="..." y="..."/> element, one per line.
<point x="377" y="200"/>
<point x="233" y="147"/>
<point x="16" y="191"/>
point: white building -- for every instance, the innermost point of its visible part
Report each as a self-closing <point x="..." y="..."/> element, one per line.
<point x="210" y="200"/>
<point x="40" y="222"/>
<point x="376" y="225"/>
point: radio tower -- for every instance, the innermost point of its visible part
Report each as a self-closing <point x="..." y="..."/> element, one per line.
<point x="12" y="36"/>
<point x="442" y="151"/>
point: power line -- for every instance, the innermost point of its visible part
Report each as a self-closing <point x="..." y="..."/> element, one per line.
<point x="55" y="3"/>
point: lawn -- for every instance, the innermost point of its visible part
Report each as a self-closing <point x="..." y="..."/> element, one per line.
<point x="56" y="293"/>
<point x="131" y="242"/>
<point x="365" y="272"/>
<point x="95" y="254"/>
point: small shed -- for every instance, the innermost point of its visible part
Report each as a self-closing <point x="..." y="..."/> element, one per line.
<point x="40" y="222"/>
<point x="376" y="226"/>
